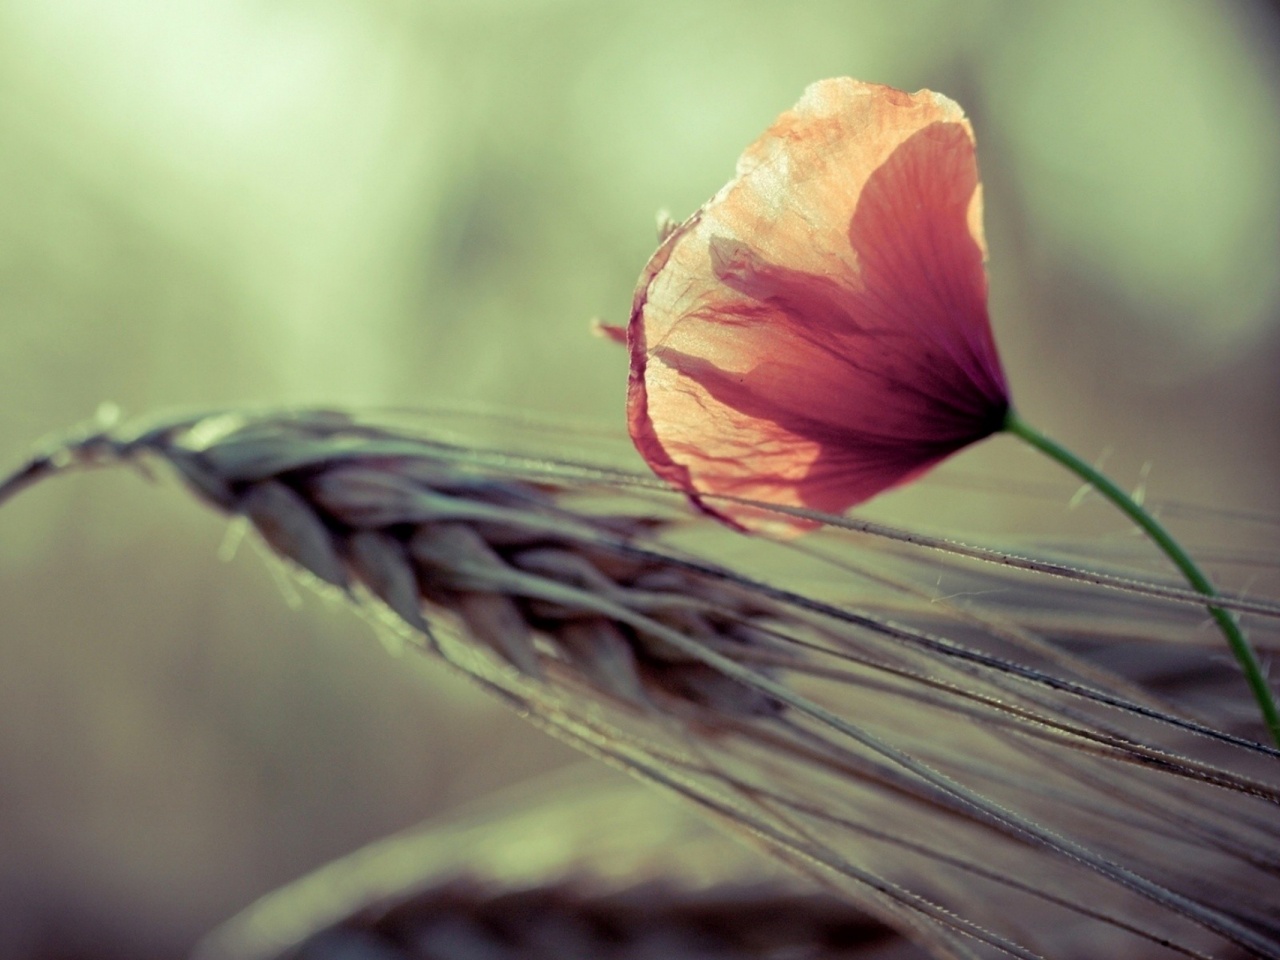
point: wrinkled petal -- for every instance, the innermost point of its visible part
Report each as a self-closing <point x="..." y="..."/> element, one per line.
<point x="818" y="331"/>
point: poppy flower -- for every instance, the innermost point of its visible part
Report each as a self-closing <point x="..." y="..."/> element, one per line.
<point x="818" y="331"/>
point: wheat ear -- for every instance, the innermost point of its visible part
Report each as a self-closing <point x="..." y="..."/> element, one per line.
<point x="945" y="787"/>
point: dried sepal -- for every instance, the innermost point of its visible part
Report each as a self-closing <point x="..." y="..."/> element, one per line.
<point x="253" y="456"/>
<point x="567" y="567"/>
<point x="393" y="492"/>
<point x="496" y="621"/>
<point x="205" y="481"/>
<point x="601" y="651"/>
<point x="454" y="556"/>
<point x="362" y="496"/>
<point x="711" y="690"/>
<point x="293" y="529"/>
<point x="382" y="566"/>
<point x="458" y="569"/>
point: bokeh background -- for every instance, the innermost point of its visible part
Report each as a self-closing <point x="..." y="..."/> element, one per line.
<point x="408" y="202"/>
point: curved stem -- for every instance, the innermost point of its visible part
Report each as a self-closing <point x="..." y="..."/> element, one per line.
<point x="1244" y="654"/>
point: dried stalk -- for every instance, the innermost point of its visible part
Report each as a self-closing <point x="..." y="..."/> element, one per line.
<point x="975" y="794"/>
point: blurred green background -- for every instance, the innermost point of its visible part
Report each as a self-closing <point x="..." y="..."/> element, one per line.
<point x="230" y="202"/>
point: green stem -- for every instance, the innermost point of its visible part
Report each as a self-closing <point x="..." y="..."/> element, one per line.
<point x="1195" y="576"/>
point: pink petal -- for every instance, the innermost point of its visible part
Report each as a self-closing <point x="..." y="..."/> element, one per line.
<point x="818" y="331"/>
